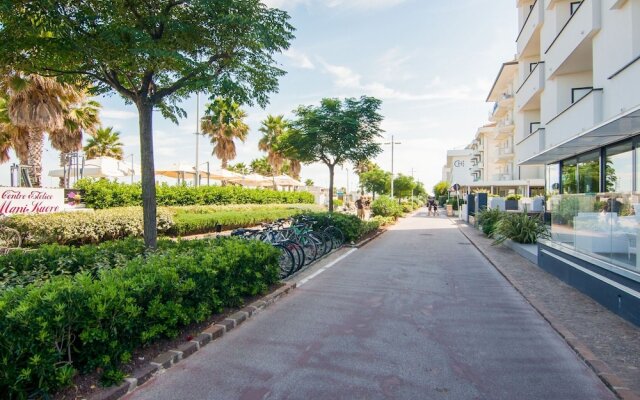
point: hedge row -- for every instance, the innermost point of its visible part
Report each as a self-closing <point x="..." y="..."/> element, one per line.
<point x="203" y="219"/>
<point x="70" y="323"/>
<point x="79" y="228"/>
<point x="106" y="194"/>
<point x="351" y="226"/>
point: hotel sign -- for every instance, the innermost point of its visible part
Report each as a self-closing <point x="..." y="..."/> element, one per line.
<point x="17" y="200"/>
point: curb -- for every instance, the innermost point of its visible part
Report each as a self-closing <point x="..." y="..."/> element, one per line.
<point x="169" y="358"/>
<point x="602" y="370"/>
<point x="367" y="240"/>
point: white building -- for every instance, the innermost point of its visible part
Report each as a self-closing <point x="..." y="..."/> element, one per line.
<point x="578" y="116"/>
<point x="457" y="168"/>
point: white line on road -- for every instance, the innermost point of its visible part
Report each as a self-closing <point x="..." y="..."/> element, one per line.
<point x="326" y="267"/>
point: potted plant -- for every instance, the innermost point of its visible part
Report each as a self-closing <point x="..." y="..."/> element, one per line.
<point x="511" y="202"/>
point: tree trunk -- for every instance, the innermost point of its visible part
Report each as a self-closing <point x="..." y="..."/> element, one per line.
<point x="63" y="160"/>
<point x="34" y="160"/>
<point x="145" y="111"/>
<point x="331" y="187"/>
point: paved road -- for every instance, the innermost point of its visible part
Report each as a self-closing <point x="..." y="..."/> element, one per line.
<point x="416" y="314"/>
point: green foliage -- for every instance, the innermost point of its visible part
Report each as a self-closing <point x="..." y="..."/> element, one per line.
<point x="203" y="219"/>
<point x="334" y="133"/>
<point x="442" y="200"/>
<point x="80" y="323"/>
<point x="338" y="202"/>
<point x="441" y="188"/>
<point x="105" y="194"/>
<point x="385" y="206"/>
<point x="520" y="228"/>
<point x="513" y="197"/>
<point x="488" y="218"/>
<point x="566" y="210"/>
<point x="453" y="202"/>
<point x="383" y="221"/>
<point x="351" y="226"/>
<point x="84" y="227"/>
<point x="376" y="181"/>
<point x="403" y="185"/>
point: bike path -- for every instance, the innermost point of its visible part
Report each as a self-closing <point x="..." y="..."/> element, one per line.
<point x="416" y="314"/>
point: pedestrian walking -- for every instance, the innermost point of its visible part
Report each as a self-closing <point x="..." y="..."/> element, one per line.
<point x="360" y="207"/>
<point x="432" y="206"/>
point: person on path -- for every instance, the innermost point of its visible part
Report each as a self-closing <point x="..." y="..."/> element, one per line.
<point x="360" y="208"/>
<point x="432" y="207"/>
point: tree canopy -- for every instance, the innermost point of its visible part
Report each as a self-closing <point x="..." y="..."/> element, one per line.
<point x="376" y="181"/>
<point x="441" y="188"/>
<point x="403" y="185"/>
<point x="153" y="53"/>
<point x="333" y="133"/>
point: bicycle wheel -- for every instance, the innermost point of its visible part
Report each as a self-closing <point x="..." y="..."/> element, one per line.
<point x="285" y="261"/>
<point x="309" y="247"/>
<point x="323" y="242"/>
<point x="298" y="253"/>
<point x="337" y="235"/>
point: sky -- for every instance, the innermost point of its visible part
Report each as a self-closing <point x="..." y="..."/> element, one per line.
<point x="432" y="63"/>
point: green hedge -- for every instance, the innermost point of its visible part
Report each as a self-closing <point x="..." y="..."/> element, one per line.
<point x="106" y="194"/>
<point x="84" y="227"/>
<point x="80" y="323"/>
<point x="202" y="219"/>
<point x="351" y="226"/>
<point x="385" y="206"/>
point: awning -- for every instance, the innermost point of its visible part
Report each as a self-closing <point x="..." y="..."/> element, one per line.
<point x="613" y="130"/>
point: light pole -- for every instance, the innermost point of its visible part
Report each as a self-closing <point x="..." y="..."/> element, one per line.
<point x="132" y="170"/>
<point x="198" y="140"/>
<point x="412" y="188"/>
<point x="392" y="143"/>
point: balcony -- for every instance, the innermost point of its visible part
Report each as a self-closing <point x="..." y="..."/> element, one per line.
<point x="502" y="107"/>
<point x="528" y="94"/>
<point x="504" y="129"/>
<point x="501" y="177"/>
<point x="571" y="51"/>
<point x="505" y="155"/>
<point x="531" y="145"/>
<point x="529" y="36"/>
<point x="582" y="115"/>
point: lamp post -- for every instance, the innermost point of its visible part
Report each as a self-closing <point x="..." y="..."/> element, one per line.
<point x="133" y="172"/>
<point x="208" y="173"/>
<point x="197" y="183"/>
<point x="392" y="143"/>
<point x="412" y="188"/>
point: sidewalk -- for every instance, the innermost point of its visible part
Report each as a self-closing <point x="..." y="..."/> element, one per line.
<point x="586" y="325"/>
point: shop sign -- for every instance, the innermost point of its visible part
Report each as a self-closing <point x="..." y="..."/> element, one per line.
<point x="18" y="200"/>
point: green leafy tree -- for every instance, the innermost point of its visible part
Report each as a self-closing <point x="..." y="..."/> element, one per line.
<point x="308" y="182"/>
<point x="240" y="168"/>
<point x="376" y="181"/>
<point x="335" y="132"/>
<point x="420" y="190"/>
<point x="403" y="185"/>
<point x="152" y="53"/>
<point x="441" y="188"/>
<point x="105" y="143"/>
<point x="224" y="123"/>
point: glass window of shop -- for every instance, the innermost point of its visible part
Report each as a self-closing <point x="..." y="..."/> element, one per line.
<point x="589" y="173"/>
<point x="569" y="176"/>
<point x="638" y="166"/>
<point x="619" y="168"/>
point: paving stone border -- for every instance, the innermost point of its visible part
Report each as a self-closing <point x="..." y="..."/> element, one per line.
<point x="602" y="370"/>
<point x="169" y="358"/>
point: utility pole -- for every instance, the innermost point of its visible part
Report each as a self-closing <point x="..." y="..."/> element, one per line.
<point x="392" y="143"/>
<point x="412" y="188"/>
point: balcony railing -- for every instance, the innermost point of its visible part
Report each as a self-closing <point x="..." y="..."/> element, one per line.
<point x="531" y="146"/>
<point x="530" y="89"/>
<point x="582" y="115"/>
<point x="531" y="30"/>
<point x="580" y="27"/>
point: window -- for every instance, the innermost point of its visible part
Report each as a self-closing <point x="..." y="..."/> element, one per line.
<point x="619" y="168"/>
<point x="552" y="181"/>
<point x="637" y="166"/>
<point x="589" y="173"/>
<point x="578" y="93"/>
<point x="569" y="178"/>
<point x="533" y="126"/>
<point x="574" y="6"/>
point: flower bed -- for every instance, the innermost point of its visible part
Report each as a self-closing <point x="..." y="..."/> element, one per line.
<point x="83" y="322"/>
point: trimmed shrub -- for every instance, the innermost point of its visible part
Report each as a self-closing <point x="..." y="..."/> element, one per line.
<point x="203" y="219"/>
<point x="106" y="194"/>
<point x="84" y="227"/>
<point x="385" y="206"/>
<point x="351" y="226"/>
<point x="76" y="322"/>
<point x="383" y="221"/>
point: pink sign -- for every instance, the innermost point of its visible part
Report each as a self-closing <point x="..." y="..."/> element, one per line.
<point x="15" y="200"/>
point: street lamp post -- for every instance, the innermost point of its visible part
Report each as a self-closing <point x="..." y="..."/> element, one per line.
<point x="198" y="140"/>
<point x="392" y="143"/>
<point x="412" y="188"/>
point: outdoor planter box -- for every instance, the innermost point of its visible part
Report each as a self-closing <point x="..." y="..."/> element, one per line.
<point x="496" y="203"/>
<point x="511" y="204"/>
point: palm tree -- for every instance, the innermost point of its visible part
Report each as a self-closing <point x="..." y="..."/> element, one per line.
<point x="308" y="182"/>
<point x="11" y="137"/>
<point x="223" y="122"/>
<point x="35" y="105"/>
<point x="362" y="167"/>
<point x="240" y="168"/>
<point x="104" y="143"/>
<point x="271" y="129"/>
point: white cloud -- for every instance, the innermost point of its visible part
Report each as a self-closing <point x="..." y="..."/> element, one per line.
<point x="299" y="59"/>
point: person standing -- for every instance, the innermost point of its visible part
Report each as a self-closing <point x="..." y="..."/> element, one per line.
<point x="360" y="208"/>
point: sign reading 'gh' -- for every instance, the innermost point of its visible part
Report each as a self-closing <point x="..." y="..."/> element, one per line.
<point x="15" y="200"/>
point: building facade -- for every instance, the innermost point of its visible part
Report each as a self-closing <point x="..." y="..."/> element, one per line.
<point x="578" y="116"/>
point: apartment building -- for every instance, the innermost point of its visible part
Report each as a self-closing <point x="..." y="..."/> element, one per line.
<point x="577" y="115"/>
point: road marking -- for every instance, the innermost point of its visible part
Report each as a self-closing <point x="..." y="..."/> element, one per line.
<point x="326" y="267"/>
